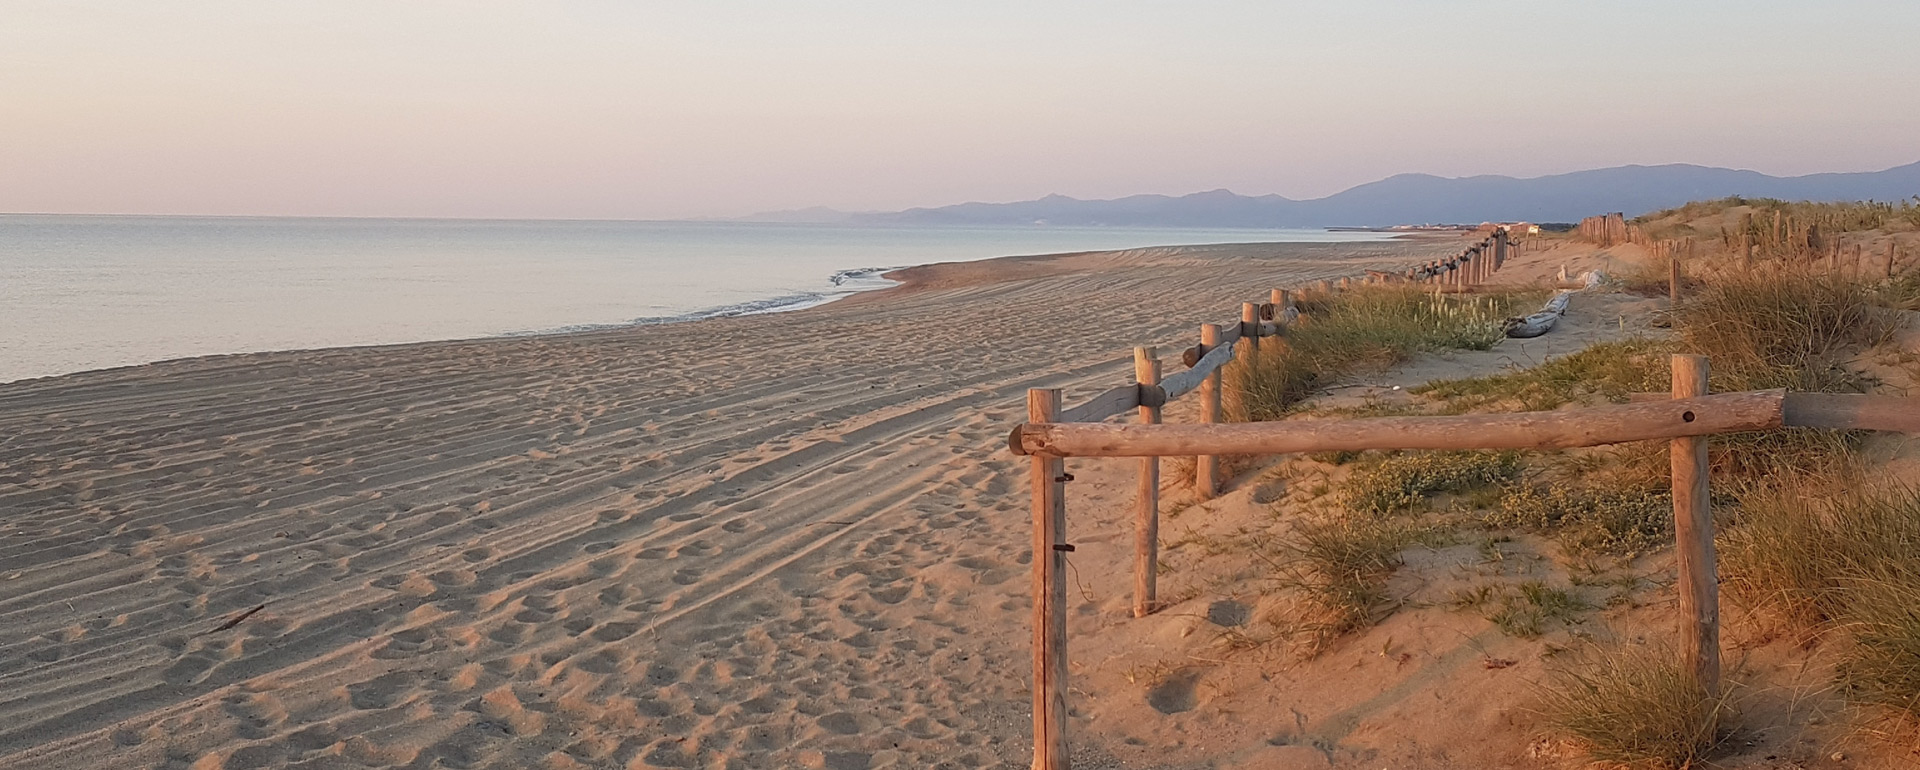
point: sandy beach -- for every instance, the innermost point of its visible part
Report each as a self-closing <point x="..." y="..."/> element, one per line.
<point x="766" y="541"/>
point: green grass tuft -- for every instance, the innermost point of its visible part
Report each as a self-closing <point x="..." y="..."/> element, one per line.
<point x="1610" y="370"/>
<point x="1341" y="568"/>
<point x="1636" y="707"/>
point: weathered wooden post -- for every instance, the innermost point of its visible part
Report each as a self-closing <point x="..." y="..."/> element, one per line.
<point x="1249" y="333"/>
<point x="1280" y="300"/>
<point x="1049" y="593"/>
<point x="1146" y="512"/>
<point x="1890" y="260"/>
<point x="1206" y="468"/>
<point x="1693" y="536"/>
<point x="1673" y="280"/>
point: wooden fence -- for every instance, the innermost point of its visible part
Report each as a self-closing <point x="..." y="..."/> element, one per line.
<point x="1150" y="392"/>
<point x="1052" y="434"/>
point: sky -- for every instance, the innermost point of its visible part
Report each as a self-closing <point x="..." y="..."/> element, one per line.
<point x="658" y="109"/>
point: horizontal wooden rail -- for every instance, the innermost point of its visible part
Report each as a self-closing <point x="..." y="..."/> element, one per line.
<point x="1183" y="383"/>
<point x="1850" y="411"/>
<point x="1613" y="424"/>
<point x="1108" y="404"/>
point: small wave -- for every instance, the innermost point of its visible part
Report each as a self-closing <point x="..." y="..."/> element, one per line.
<point x="850" y="282"/>
<point x="860" y="274"/>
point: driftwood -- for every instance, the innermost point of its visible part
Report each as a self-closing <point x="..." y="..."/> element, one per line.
<point x="1613" y="424"/>
<point x="1542" y="322"/>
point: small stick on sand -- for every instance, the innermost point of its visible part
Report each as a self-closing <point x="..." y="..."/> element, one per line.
<point x="237" y="618"/>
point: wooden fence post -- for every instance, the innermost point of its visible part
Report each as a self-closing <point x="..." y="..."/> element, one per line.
<point x="1146" y="518"/>
<point x="1206" y="468"/>
<point x="1249" y="333"/>
<point x="1693" y="536"/>
<point x="1280" y="299"/>
<point x="1889" y="260"/>
<point x="1673" y="280"/>
<point x="1049" y="594"/>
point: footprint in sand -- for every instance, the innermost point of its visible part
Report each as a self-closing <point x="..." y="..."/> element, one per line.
<point x="258" y="715"/>
<point x="613" y="632"/>
<point x="1176" y="693"/>
<point x="382" y="692"/>
<point x="189" y="669"/>
<point x="698" y="548"/>
<point x="405" y="643"/>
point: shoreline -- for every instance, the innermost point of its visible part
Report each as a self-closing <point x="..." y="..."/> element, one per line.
<point x="900" y="281"/>
<point x="596" y="539"/>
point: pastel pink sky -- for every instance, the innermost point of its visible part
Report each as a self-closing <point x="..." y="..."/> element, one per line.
<point x="603" y="109"/>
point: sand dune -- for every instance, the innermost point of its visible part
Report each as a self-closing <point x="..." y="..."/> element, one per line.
<point x="751" y="542"/>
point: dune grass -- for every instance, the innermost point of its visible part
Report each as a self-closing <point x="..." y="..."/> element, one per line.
<point x="1609" y="370"/>
<point x="1846" y="563"/>
<point x="1366" y="327"/>
<point x="1634" y="706"/>
<point x="1340" y="566"/>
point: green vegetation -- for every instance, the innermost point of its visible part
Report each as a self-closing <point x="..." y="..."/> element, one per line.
<point x="1523" y="610"/>
<point x="1609" y="370"/>
<point x="1403" y="482"/>
<point x="1590" y="520"/>
<point x="1807" y="560"/>
<point x="1882" y="666"/>
<point x="1635" y="706"/>
<point x="1341" y="567"/>
<point x="1369" y="326"/>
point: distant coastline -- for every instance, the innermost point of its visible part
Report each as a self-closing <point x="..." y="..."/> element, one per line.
<point x="93" y="292"/>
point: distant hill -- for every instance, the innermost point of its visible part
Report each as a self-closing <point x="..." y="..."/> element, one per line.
<point x="1418" y="199"/>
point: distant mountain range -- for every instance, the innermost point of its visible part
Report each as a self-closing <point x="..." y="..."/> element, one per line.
<point x="1409" y="199"/>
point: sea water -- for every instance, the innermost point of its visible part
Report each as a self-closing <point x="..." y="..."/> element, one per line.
<point x="89" y="292"/>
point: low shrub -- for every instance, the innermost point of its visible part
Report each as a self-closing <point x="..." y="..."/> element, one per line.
<point x="1584" y="520"/>
<point x="1403" y="482"/>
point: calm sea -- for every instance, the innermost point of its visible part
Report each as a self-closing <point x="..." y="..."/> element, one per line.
<point x="88" y="292"/>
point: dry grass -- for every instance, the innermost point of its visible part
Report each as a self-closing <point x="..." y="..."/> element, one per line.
<point x="1805" y="558"/>
<point x="1636" y="707"/>
<point x="1784" y="330"/>
<point x="1367" y="327"/>
<point x="1340" y="568"/>
<point x="1848" y="563"/>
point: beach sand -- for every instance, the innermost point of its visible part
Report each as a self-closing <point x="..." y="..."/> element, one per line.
<point x="767" y="541"/>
